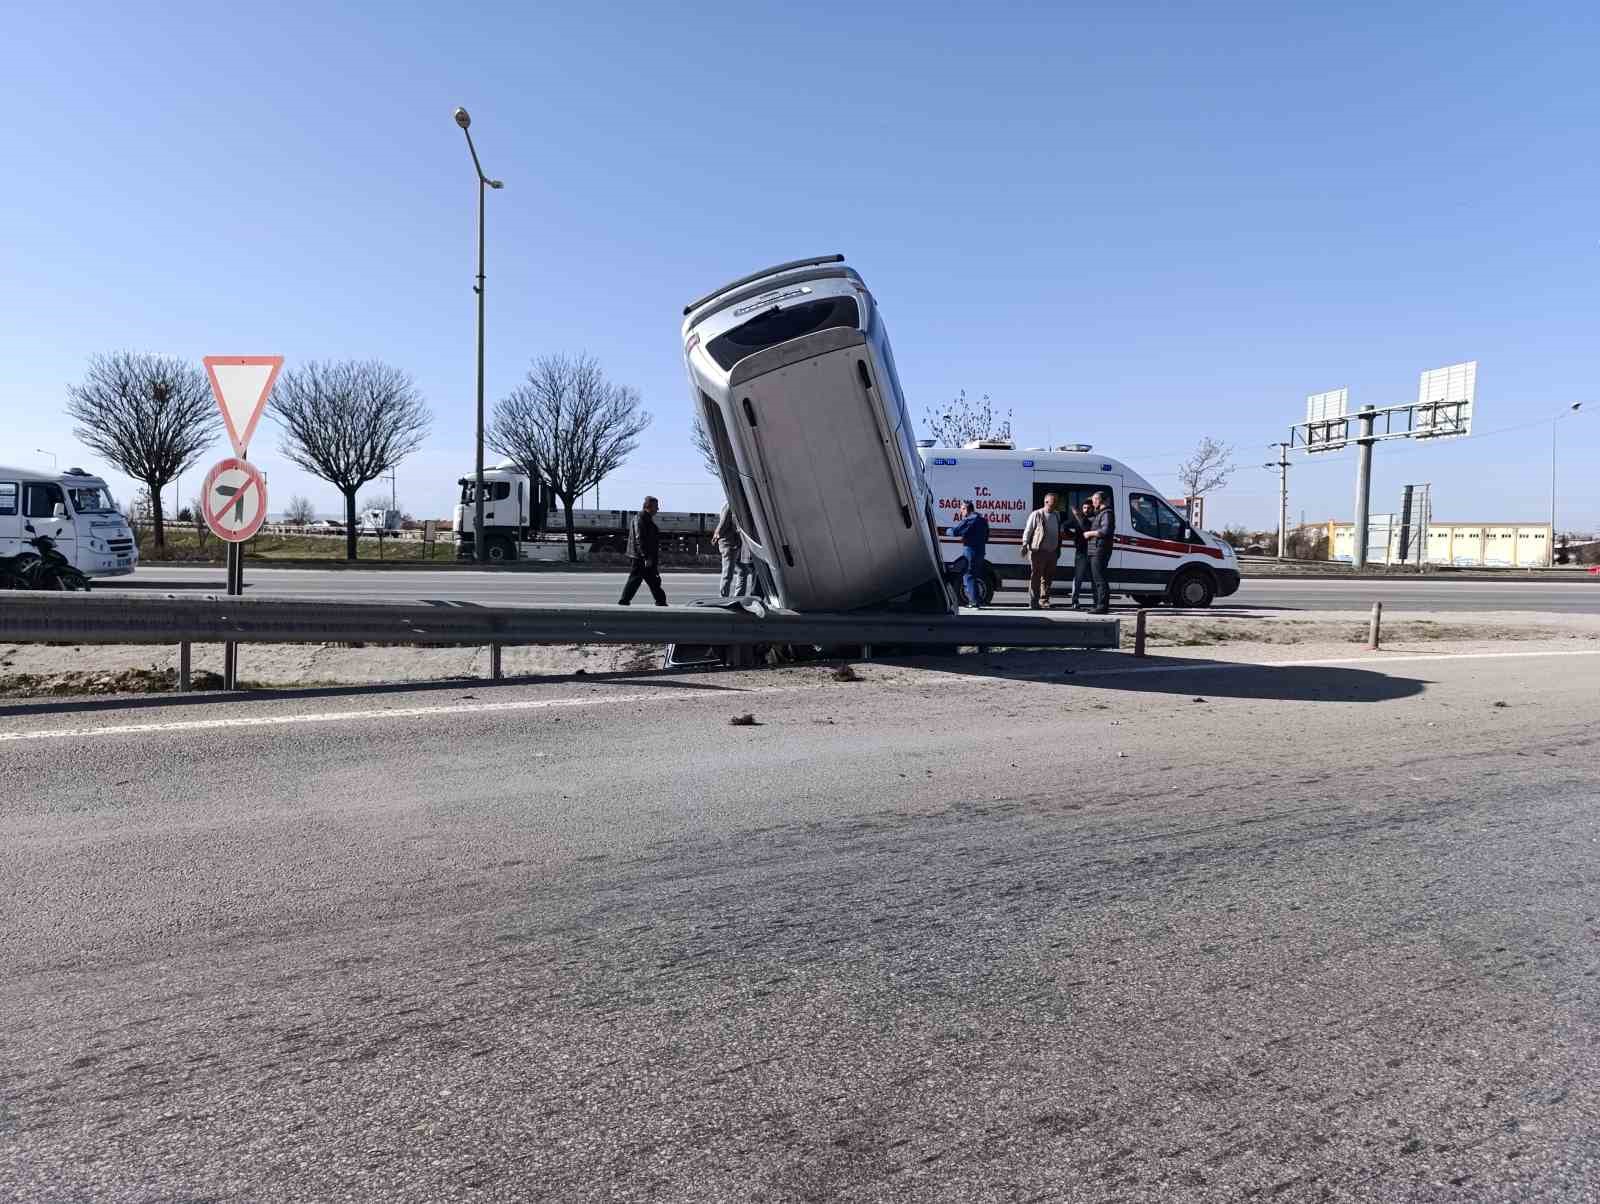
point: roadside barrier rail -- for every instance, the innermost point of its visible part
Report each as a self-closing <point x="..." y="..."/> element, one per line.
<point x="73" y="618"/>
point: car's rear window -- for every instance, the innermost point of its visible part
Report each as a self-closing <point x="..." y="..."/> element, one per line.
<point x="780" y="325"/>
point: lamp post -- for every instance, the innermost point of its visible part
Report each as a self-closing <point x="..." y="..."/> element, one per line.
<point x="1554" y="423"/>
<point x="464" y="120"/>
<point x="54" y="463"/>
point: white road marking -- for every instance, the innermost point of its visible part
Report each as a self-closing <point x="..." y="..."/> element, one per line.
<point x="475" y="708"/>
<point x="1374" y="659"/>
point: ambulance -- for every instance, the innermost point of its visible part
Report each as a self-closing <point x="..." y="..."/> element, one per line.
<point x="1157" y="557"/>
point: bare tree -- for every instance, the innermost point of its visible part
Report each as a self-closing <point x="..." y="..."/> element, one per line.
<point x="150" y="416"/>
<point x="1207" y="469"/>
<point x="962" y="420"/>
<point x="348" y="423"/>
<point x="701" y="438"/>
<point x="568" y="425"/>
<point x="299" y="512"/>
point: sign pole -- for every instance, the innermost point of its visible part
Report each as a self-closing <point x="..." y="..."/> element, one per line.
<point x="230" y="650"/>
<point x="1358" y="553"/>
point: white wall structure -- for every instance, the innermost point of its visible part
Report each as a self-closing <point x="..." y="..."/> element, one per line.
<point x="1465" y="545"/>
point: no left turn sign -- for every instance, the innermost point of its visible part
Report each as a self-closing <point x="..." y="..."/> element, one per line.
<point x="234" y="500"/>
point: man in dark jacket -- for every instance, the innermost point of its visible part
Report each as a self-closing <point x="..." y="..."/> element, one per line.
<point x="1073" y="528"/>
<point x="973" y="532"/>
<point x="1101" y="534"/>
<point x="644" y="547"/>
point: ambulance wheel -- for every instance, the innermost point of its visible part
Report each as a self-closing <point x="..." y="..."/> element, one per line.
<point x="986" y="587"/>
<point x="500" y="550"/>
<point x="1193" y="589"/>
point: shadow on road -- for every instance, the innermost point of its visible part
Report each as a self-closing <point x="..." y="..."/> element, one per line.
<point x="1186" y="676"/>
<point x="210" y="698"/>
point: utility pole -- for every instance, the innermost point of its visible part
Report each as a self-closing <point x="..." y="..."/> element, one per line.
<point x="1283" y="500"/>
<point x="1358" y="553"/>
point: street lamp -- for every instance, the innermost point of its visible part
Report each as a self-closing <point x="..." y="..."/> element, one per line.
<point x="1560" y="414"/>
<point x="54" y="463"/>
<point x="464" y="120"/>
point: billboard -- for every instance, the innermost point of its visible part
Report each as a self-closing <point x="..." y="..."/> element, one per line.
<point x="1327" y="428"/>
<point x="1445" y="399"/>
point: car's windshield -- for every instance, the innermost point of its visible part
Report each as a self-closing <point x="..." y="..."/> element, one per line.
<point x="92" y="499"/>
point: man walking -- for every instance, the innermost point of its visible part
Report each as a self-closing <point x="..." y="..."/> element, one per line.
<point x="1101" y="534"/>
<point x="973" y="532"/>
<point x="730" y="545"/>
<point x="644" y="549"/>
<point x="1041" y="545"/>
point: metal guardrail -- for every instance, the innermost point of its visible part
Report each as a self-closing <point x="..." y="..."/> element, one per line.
<point x="123" y="619"/>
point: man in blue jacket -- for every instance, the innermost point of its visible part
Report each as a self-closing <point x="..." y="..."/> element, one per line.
<point x="972" y="530"/>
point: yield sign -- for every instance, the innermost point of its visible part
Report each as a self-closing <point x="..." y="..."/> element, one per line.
<point x="241" y="384"/>
<point x="234" y="499"/>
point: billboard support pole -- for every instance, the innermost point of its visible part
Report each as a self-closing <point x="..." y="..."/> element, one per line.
<point x="1358" y="553"/>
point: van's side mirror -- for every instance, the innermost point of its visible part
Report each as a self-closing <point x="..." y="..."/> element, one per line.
<point x="60" y="511"/>
<point x="29" y="528"/>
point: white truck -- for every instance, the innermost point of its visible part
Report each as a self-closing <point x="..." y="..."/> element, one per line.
<point x="73" y="508"/>
<point x="521" y="516"/>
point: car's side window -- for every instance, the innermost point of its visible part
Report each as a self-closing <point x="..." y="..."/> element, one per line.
<point x="8" y="498"/>
<point x="41" y="500"/>
<point x="1153" y="517"/>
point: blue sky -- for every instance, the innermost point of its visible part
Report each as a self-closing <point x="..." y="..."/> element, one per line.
<point x="1133" y="224"/>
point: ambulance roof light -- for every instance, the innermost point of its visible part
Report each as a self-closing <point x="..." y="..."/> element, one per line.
<point x="989" y="445"/>
<point x="1076" y="447"/>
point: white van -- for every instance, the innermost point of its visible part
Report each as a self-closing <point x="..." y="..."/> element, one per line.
<point x="791" y="372"/>
<point x="1157" y="556"/>
<point x="73" y="508"/>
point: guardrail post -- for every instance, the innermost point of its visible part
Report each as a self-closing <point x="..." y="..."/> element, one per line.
<point x="1372" y="629"/>
<point x="183" y="667"/>
<point x="1138" y="631"/>
<point x="866" y="652"/>
<point x="494" y="662"/>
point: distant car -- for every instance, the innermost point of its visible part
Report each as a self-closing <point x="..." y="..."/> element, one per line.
<point x="326" y="527"/>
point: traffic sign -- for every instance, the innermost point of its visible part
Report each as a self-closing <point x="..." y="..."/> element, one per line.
<point x="241" y="385"/>
<point x="234" y="500"/>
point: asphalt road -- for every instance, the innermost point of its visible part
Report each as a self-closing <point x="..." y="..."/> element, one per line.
<point x="1459" y="594"/>
<point x="1000" y="933"/>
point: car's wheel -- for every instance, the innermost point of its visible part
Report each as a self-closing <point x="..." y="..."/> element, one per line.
<point x="1193" y="589"/>
<point x="500" y="550"/>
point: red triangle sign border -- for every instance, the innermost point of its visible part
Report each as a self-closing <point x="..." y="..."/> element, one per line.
<point x="241" y="439"/>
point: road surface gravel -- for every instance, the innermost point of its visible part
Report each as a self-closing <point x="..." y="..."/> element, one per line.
<point x="1005" y="928"/>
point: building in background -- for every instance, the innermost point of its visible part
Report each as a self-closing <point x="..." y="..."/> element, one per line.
<point x="1465" y="545"/>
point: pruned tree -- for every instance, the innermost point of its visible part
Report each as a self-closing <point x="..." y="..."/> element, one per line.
<point x="962" y="420"/>
<point x="569" y="426"/>
<point x="1207" y="469"/>
<point x="149" y="416"/>
<point x="299" y="512"/>
<point x="348" y="423"/>
<point x="701" y="438"/>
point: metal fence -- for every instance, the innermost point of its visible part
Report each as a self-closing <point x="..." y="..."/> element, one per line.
<point x="120" y="619"/>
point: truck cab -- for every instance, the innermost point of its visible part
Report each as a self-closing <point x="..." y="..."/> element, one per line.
<point x="73" y="508"/>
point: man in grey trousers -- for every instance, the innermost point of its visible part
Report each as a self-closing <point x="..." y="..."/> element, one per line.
<point x="730" y="545"/>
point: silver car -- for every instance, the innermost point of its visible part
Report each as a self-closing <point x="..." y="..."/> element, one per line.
<point x="791" y="371"/>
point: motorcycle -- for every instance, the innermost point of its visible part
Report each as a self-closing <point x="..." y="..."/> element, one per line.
<point x="43" y="568"/>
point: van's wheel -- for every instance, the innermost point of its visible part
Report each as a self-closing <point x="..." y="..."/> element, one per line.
<point x="990" y="585"/>
<point x="500" y="550"/>
<point x="1193" y="589"/>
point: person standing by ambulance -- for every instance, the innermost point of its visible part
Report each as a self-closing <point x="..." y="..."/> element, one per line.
<point x="730" y="544"/>
<point x="1041" y="546"/>
<point x="1101" y="534"/>
<point x="973" y="532"/>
